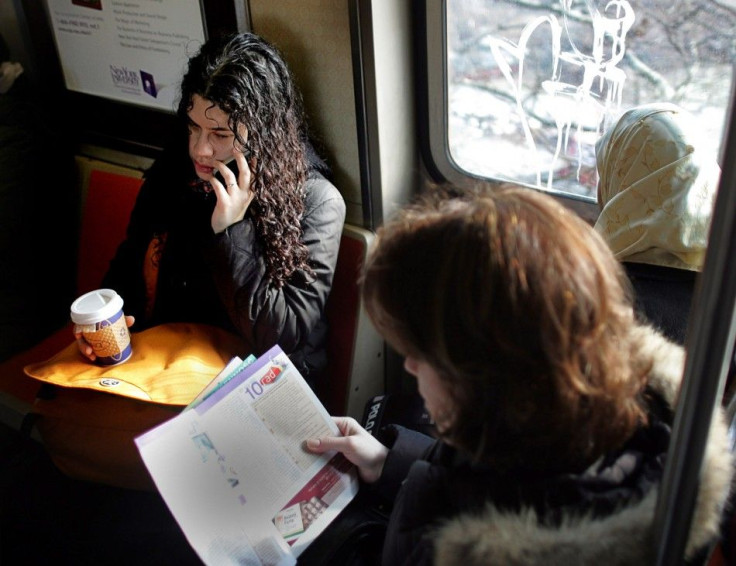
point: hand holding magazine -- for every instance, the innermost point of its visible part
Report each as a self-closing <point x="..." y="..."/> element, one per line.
<point x="234" y="471"/>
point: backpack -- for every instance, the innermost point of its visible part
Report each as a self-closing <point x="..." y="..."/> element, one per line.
<point x="88" y="416"/>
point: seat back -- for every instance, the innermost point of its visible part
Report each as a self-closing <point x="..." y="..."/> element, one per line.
<point x="355" y="351"/>
<point x="107" y="207"/>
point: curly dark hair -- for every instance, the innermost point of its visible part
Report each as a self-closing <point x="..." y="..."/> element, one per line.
<point x="527" y="318"/>
<point x="247" y="78"/>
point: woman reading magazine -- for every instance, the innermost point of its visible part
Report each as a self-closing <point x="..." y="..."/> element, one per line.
<point x="552" y="404"/>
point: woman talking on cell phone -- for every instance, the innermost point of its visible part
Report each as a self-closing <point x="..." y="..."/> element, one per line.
<point x="236" y="224"/>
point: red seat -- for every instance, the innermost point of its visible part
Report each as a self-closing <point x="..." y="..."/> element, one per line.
<point x="107" y="208"/>
<point x="110" y="200"/>
<point x="355" y="371"/>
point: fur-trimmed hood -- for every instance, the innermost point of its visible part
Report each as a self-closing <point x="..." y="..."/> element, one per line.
<point x="623" y="538"/>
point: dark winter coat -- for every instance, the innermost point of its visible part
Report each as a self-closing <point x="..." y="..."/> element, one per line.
<point x="448" y="511"/>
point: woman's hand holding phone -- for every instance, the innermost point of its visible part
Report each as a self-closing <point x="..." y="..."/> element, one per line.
<point x="234" y="194"/>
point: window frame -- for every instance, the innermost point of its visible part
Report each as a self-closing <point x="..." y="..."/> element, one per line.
<point x="433" y="102"/>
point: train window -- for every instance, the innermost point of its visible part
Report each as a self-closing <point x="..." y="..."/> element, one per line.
<point x="520" y="90"/>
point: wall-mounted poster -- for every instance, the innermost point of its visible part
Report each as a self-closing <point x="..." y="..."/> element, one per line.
<point x="127" y="50"/>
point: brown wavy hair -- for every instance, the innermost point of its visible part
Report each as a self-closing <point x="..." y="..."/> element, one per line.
<point x="527" y="317"/>
<point x="248" y="79"/>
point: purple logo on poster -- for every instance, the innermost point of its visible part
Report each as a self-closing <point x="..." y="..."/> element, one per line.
<point x="149" y="86"/>
<point x="96" y="4"/>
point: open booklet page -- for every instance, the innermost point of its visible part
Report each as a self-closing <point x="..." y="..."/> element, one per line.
<point x="234" y="471"/>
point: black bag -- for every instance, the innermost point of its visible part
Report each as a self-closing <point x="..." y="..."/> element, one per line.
<point x="405" y="409"/>
<point x="354" y="538"/>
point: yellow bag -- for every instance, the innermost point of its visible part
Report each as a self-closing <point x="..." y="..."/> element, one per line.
<point x="88" y="415"/>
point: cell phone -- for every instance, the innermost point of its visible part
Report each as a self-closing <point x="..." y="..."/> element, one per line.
<point x="232" y="165"/>
<point x="203" y="187"/>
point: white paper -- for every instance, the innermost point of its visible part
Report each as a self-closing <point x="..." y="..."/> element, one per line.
<point x="235" y="473"/>
<point x="233" y="368"/>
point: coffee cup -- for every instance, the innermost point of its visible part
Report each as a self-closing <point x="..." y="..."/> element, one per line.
<point x="98" y="315"/>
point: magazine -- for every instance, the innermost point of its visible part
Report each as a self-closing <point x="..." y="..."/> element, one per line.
<point x="233" y="468"/>
<point x="233" y="368"/>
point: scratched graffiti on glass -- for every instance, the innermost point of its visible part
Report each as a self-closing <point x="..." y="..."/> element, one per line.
<point x="533" y="83"/>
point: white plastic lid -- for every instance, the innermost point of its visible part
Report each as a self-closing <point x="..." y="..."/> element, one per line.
<point x="95" y="306"/>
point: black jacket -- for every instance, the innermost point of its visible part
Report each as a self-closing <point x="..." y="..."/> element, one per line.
<point x="663" y="296"/>
<point x="220" y="279"/>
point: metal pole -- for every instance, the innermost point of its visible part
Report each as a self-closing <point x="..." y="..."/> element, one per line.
<point x="709" y="341"/>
